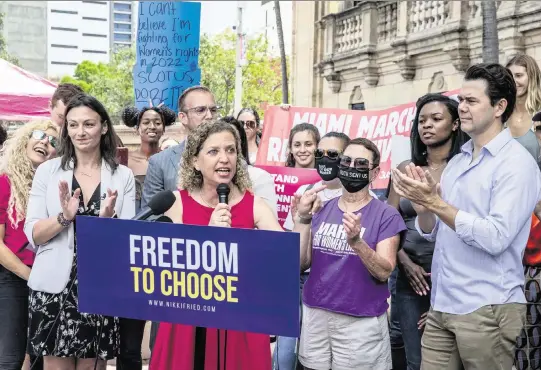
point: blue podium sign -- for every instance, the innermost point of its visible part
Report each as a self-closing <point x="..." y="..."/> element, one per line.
<point x="238" y="279"/>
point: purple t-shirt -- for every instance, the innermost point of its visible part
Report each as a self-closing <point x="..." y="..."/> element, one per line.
<point x="339" y="281"/>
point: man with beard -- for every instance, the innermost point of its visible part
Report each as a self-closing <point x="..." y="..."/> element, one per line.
<point x="480" y="220"/>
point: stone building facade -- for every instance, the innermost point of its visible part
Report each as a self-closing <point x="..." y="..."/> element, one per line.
<point x="377" y="54"/>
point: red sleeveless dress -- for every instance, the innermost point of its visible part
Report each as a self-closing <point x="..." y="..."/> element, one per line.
<point x="175" y="343"/>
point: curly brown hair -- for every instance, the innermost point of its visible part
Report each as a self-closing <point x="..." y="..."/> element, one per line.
<point x="189" y="178"/>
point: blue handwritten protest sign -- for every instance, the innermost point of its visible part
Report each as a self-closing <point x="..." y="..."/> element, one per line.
<point x="167" y="51"/>
<point x="225" y="278"/>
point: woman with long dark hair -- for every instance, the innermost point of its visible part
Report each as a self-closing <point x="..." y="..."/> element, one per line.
<point x="435" y="138"/>
<point x="84" y="180"/>
<point x="302" y="143"/>
<point x="249" y="118"/>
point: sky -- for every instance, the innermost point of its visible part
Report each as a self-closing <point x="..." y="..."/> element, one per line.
<point x="216" y="16"/>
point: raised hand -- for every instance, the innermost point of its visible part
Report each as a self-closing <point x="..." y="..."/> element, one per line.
<point x="221" y="216"/>
<point x="309" y="203"/>
<point x="416" y="185"/>
<point x="352" y="227"/>
<point x="107" y="206"/>
<point x="68" y="202"/>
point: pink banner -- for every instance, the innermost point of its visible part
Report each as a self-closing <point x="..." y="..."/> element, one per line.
<point x="286" y="182"/>
<point x="377" y="125"/>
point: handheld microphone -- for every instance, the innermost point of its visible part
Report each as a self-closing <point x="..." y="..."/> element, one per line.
<point x="223" y="193"/>
<point x="223" y="197"/>
<point x="160" y="203"/>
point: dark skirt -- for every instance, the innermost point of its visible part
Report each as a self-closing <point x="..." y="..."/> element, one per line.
<point x="57" y="328"/>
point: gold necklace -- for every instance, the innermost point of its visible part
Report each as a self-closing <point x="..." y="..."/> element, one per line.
<point x="88" y="174"/>
<point x="437" y="168"/>
<point x="204" y="201"/>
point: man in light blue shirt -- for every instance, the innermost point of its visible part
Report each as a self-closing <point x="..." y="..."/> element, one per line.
<point x="480" y="219"/>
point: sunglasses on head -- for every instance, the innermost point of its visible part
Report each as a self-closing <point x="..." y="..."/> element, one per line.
<point x="330" y="153"/>
<point x="40" y="135"/>
<point x="358" y="163"/>
<point x="249" y="124"/>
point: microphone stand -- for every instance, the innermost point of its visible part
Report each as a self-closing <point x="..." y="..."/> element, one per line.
<point x="223" y="197"/>
<point x="200" y="348"/>
<point x="201" y="333"/>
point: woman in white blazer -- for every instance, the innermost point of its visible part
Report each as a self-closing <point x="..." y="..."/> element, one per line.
<point x="84" y="180"/>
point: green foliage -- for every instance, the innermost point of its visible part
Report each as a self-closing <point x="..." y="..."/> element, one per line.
<point x="111" y="83"/>
<point x="261" y="74"/>
<point x="3" y="47"/>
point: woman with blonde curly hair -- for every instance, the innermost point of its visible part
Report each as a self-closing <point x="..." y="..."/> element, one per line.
<point x="528" y="80"/>
<point x="30" y="146"/>
<point x="211" y="158"/>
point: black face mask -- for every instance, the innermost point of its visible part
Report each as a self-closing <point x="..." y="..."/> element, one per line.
<point x="354" y="180"/>
<point x="327" y="168"/>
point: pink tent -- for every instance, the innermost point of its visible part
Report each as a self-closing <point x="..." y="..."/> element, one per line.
<point x="23" y="95"/>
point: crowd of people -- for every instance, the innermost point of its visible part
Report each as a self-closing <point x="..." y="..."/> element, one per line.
<point x="446" y="245"/>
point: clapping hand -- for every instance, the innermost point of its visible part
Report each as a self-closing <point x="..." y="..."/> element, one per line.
<point x="416" y="185"/>
<point x="68" y="202"/>
<point x="308" y="203"/>
<point x="221" y="216"/>
<point x="107" y="206"/>
<point x="352" y="227"/>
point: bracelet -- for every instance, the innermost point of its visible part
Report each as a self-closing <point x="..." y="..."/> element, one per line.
<point x="304" y="220"/>
<point x="62" y="220"/>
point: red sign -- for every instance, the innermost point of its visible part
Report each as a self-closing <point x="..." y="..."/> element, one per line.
<point x="378" y="125"/>
<point x="532" y="254"/>
<point x="286" y="182"/>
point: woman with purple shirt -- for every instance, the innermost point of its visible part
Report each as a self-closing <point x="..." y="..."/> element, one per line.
<point x="351" y="245"/>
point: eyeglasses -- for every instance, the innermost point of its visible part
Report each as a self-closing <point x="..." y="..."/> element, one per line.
<point x="249" y="124"/>
<point x="202" y="110"/>
<point x="358" y="163"/>
<point x="331" y="153"/>
<point x="40" y="135"/>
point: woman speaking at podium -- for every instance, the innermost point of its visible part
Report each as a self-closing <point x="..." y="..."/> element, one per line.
<point x="212" y="157"/>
